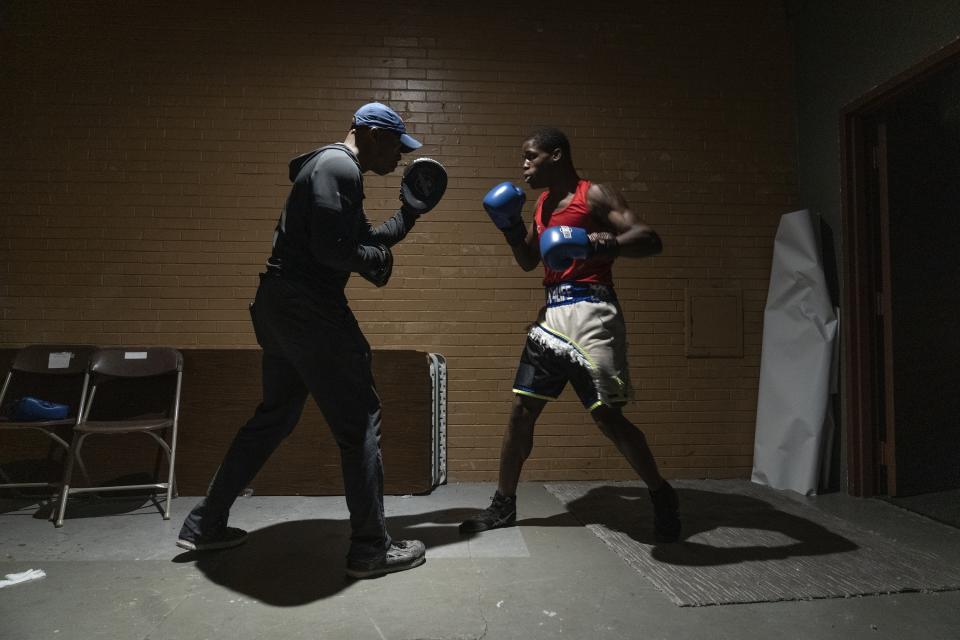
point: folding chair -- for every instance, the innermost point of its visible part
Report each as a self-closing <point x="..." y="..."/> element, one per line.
<point x="50" y="372"/>
<point x="112" y="365"/>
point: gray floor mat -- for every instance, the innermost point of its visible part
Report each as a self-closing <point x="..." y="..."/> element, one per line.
<point x="746" y="543"/>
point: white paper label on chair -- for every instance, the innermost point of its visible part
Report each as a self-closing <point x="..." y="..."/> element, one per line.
<point x="134" y="355"/>
<point x="59" y="360"/>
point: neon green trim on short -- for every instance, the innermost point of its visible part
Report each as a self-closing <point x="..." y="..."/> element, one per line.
<point x="598" y="403"/>
<point x="521" y="392"/>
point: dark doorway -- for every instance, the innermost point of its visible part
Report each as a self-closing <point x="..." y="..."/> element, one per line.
<point x="923" y="178"/>
<point x="902" y="277"/>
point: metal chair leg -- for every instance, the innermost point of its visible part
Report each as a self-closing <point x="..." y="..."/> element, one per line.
<point x="67" y="477"/>
<point x="166" y="507"/>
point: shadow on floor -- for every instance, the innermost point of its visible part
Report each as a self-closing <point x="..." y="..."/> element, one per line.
<point x="294" y="563"/>
<point x="628" y="510"/>
<point x="86" y="505"/>
<point x="14" y="499"/>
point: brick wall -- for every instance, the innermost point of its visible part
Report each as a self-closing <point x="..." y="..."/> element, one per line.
<point x="144" y="165"/>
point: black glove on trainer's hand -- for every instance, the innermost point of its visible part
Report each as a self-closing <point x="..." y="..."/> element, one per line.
<point x="381" y="275"/>
<point x="423" y="184"/>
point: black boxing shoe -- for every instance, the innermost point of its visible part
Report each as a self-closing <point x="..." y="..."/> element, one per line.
<point x="666" y="514"/>
<point x="502" y="512"/>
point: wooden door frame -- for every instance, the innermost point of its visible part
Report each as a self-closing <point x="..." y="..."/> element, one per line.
<point x="860" y="260"/>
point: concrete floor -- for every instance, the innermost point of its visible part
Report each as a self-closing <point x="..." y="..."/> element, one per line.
<point x="943" y="506"/>
<point x="115" y="573"/>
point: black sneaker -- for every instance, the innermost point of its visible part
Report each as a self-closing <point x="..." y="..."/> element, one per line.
<point x="402" y="555"/>
<point x="222" y="539"/>
<point x="666" y="513"/>
<point x="502" y="512"/>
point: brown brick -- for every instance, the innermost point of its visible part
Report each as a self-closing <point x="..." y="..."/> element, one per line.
<point x="138" y="198"/>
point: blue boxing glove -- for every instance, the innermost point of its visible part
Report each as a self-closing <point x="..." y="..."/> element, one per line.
<point x="560" y="246"/>
<point x="503" y="204"/>
<point x="30" y="409"/>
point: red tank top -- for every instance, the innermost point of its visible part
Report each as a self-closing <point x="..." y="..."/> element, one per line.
<point x="575" y="214"/>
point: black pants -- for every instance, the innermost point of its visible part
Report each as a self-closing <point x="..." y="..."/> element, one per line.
<point x="309" y="346"/>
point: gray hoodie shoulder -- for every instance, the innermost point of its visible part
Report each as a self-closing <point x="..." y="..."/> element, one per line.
<point x="334" y="158"/>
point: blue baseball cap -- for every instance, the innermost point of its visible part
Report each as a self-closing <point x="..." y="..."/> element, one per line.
<point x="374" y="114"/>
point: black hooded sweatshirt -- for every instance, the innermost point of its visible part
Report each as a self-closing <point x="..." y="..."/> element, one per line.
<point x="323" y="233"/>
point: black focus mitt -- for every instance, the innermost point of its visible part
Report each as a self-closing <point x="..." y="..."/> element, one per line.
<point x="423" y="184"/>
<point x="381" y="275"/>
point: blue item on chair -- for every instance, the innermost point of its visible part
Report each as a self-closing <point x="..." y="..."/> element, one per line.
<point x="30" y="409"/>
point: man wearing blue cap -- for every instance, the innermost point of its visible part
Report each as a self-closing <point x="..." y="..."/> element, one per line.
<point x="312" y="343"/>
